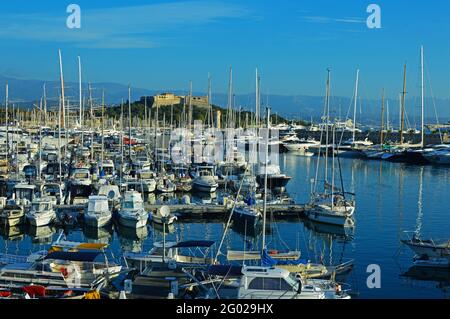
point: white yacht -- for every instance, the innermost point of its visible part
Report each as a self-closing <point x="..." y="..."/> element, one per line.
<point x="132" y="213"/>
<point x="41" y="213"/>
<point x="301" y="146"/>
<point x="97" y="213"/>
<point x="205" y="181"/>
<point x="276" y="283"/>
<point x="332" y="209"/>
<point x="275" y="179"/>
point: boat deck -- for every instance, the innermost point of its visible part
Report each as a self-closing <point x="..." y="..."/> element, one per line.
<point x="157" y="284"/>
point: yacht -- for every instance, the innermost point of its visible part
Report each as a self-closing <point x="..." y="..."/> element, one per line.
<point x="183" y="181"/>
<point x="427" y="247"/>
<point x="132" y="213"/>
<point x="41" y="213"/>
<point x="275" y="179"/>
<point x="205" y="180"/>
<point x="276" y="283"/>
<point x="97" y="213"/>
<point x="301" y="146"/>
<point x="166" y="185"/>
<point x="247" y="215"/>
<point x="332" y="209"/>
<point x="177" y="255"/>
<point x="439" y="156"/>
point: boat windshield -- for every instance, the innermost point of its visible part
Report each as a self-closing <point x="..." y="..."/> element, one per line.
<point x="81" y="175"/>
<point x="41" y="207"/>
<point x="132" y="205"/>
<point x="98" y="206"/>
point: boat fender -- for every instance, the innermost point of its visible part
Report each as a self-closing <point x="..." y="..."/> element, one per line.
<point x="172" y="265"/>
<point x="64" y="272"/>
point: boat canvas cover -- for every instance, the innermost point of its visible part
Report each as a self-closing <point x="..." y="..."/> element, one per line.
<point x="268" y="261"/>
<point x="225" y="270"/>
<point x="194" y="243"/>
<point x="81" y="256"/>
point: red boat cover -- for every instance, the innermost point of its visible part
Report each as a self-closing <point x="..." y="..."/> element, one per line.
<point x="35" y="291"/>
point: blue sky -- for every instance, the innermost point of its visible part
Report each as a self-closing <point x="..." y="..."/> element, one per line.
<point x="165" y="44"/>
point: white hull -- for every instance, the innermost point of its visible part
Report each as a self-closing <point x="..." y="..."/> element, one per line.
<point x="12" y="221"/>
<point x="330" y="217"/>
<point x="39" y="220"/>
<point x="205" y="188"/>
<point x="97" y="221"/>
<point x="129" y="222"/>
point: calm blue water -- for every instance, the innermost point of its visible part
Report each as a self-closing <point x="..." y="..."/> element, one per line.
<point x="391" y="198"/>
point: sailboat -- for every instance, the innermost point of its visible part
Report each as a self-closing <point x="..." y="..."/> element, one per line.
<point x="331" y="206"/>
<point x="409" y="153"/>
<point x="354" y="147"/>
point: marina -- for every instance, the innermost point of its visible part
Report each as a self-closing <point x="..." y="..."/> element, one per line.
<point x="110" y="191"/>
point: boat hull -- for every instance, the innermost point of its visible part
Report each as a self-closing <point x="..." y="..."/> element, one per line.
<point x="138" y="222"/>
<point x="94" y="221"/>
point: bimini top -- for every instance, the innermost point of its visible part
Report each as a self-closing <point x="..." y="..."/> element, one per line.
<point x="81" y="256"/>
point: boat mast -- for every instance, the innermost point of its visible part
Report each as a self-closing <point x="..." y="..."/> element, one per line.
<point x="356" y="101"/>
<point x="382" y="120"/>
<point x="103" y="128"/>
<point x="190" y="107"/>
<point x="92" y="121"/>
<point x="80" y="92"/>
<point x="59" y="140"/>
<point x="7" y="119"/>
<point x="230" y="98"/>
<point x="257" y="99"/>
<point x="40" y="141"/>
<point x="327" y="106"/>
<point x="121" y="140"/>
<point x="129" y="121"/>
<point x="265" y="180"/>
<point x="62" y="91"/>
<point x="402" y="117"/>
<point x="423" y="96"/>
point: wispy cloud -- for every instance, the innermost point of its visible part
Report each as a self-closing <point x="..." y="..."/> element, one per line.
<point x="324" y="19"/>
<point x="119" y="27"/>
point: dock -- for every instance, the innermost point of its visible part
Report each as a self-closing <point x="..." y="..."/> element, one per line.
<point x="284" y="211"/>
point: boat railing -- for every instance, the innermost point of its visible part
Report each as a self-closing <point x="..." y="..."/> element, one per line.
<point x="6" y="259"/>
<point x="412" y="237"/>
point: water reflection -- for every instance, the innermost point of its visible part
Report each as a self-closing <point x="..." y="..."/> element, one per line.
<point x="12" y="233"/>
<point x="132" y="239"/>
<point x="101" y="235"/>
<point x="41" y="235"/>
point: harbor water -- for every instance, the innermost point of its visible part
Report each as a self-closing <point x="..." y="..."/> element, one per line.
<point x="390" y="199"/>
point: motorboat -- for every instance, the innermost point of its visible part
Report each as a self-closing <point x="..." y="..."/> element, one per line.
<point x="166" y="185"/>
<point x="185" y="254"/>
<point x="148" y="180"/>
<point x="247" y="215"/>
<point x="205" y="180"/>
<point x="41" y="212"/>
<point x="275" y="179"/>
<point x="12" y="214"/>
<point x="52" y="191"/>
<point x="132" y="213"/>
<point x="97" y="213"/>
<point x="275" y="283"/>
<point x="183" y="181"/>
<point x="158" y="216"/>
<point x="427" y="248"/>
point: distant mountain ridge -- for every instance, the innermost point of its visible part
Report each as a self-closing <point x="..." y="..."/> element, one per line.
<point x="26" y="92"/>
